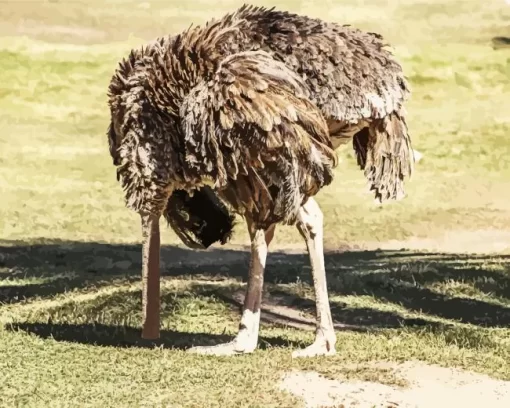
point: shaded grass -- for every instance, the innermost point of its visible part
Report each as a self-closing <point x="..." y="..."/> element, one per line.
<point x="82" y="301"/>
<point x="383" y="293"/>
<point x="68" y="323"/>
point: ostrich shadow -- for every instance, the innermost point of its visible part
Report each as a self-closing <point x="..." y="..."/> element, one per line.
<point x="399" y="277"/>
<point x="105" y="335"/>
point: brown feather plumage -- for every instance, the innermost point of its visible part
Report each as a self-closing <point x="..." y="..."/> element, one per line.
<point x="254" y="104"/>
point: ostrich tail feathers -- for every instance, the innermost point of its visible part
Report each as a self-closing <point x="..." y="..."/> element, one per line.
<point x="385" y="153"/>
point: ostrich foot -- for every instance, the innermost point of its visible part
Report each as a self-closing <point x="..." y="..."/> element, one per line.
<point x="232" y="348"/>
<point x="324" y="345"/>
<point x="244" y="343"/>
<point x="247" y="338"/>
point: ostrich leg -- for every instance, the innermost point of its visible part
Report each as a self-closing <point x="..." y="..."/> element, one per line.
<point x="310" y="225"/>
<point x="247" y="337"/>
<point x="150" y="276"/>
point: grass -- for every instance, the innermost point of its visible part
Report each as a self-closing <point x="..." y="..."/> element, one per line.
<point x="70" y="307"/>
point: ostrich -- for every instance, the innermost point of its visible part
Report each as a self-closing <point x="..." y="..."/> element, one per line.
<point x="243" y="116"/>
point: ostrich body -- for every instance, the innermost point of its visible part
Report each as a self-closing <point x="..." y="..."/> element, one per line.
<point x="243" y="116"/>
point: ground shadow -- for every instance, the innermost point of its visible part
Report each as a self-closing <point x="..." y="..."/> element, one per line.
<point x="400" y="277"/>
<point x="281" y="307"/>
<point x="128" y="337"/>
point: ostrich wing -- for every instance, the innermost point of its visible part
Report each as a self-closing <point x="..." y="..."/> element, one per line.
<point x="354" y="79"/>
<point x="253" y="131"/>
<point x="351" y="74"/>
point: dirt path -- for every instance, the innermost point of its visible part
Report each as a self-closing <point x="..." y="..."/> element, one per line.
<point x="458" y="241"/>
<point x="429" y="387"/>
<point x="487" y="241"/>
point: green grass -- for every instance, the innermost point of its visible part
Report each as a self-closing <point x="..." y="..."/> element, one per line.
<point x="70" y="307"/>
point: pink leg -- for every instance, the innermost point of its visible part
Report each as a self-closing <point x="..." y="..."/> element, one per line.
<point x="310" y="225"/>
<point x="247" y="337"/>
<point x="150" y="277"/>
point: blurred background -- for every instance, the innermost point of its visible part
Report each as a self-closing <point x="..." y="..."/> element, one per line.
<point x="57" y="179"/>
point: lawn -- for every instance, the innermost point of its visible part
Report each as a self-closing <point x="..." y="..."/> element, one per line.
<point x="413" y="280"/>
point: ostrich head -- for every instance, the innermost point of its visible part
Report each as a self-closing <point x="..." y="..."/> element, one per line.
<point x="199" y="219"/>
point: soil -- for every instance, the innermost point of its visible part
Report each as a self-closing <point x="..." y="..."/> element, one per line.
<point x="429" y="387"/>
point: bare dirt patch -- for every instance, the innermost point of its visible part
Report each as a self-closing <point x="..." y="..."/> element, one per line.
<point x="482" y="241"/>
<point x="486" y="241"/>
<point x="430" y="386"/>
